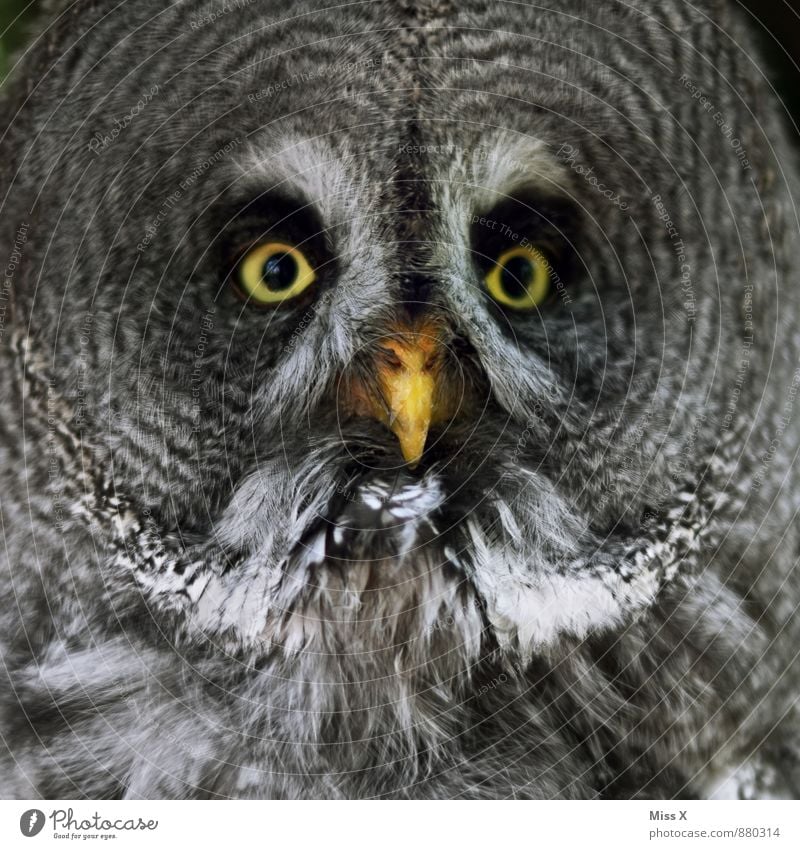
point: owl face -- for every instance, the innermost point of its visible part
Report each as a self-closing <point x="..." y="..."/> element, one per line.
<point x="382" y="358"/>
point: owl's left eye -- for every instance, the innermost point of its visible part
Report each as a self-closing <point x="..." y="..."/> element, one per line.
<point x="520" y="278"/>
<point x="273" y="272"/>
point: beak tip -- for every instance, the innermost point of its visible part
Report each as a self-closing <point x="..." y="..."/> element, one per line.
<point x="412" y="445"/>
<point x="411" y="458"/>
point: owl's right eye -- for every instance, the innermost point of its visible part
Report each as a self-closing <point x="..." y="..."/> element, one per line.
<point x="272" y="273"/>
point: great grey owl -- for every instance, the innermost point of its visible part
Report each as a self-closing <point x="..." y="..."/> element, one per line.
<point x="399" y="400"/>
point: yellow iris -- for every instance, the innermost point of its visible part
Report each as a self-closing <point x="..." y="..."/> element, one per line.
<point x="520" y="278"/>
<point x="274" y="272"/>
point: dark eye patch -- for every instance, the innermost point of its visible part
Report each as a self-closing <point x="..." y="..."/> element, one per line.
<point x="548" y="223"/>
<point x="241" y="223"/>
<point x="278" y="216"/>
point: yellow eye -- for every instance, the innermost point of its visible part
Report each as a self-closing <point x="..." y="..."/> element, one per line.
<point x="520" y="278"/>
<point x="274" y="272"/>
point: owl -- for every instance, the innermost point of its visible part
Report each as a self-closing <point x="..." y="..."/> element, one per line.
<point x="400" y="401"/>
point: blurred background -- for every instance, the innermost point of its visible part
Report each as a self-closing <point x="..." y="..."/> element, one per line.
<point x="776" y="21"/>
<point x="778" y="24"/>
<point x="13" y="16"/>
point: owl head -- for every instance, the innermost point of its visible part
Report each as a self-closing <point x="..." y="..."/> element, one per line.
<point x="391" y="339"/>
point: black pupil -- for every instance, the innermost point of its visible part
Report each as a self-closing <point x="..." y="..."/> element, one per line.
<point x="280" y="272"/>
<point x="517" y="276"/>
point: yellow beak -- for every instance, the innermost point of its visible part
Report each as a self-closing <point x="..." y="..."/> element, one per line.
<point x="407" y="372"/>
<point x="408" y="389"/>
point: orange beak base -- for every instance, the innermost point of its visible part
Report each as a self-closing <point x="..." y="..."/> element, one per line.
<point x="407" y="374"/>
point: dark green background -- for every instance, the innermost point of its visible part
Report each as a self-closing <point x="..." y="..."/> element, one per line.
<point x="778" y="17"/>
<point x="12" y="35"/>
